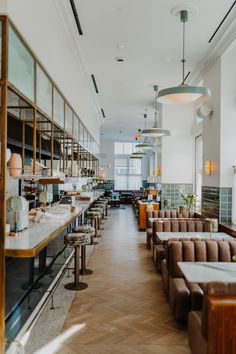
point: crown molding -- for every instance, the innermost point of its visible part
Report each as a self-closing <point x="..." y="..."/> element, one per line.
<point x="74" y="40"/>
<point x="221" y="43"/>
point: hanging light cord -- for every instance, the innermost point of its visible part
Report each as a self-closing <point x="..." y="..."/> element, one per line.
<point x="155" y="107"/>
<point x="184" y="19"/>
<point x="145" y="126"/>
<point x="183" y="60"/>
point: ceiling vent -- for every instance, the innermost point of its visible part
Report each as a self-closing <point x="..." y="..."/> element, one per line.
<point x="103" y="113"/>
<point x="75" y="13"/>
<point x="120" y="59"/>
<point x="94" y="83"/>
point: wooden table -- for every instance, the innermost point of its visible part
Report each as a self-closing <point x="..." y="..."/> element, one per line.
<point x="165" y="236"/>
<point x="151" y="220"/>
<point x="205" y="272"/>
<point x="142" y="208"/>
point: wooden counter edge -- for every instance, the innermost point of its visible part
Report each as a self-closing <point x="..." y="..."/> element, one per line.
<point x="29" y="253"/>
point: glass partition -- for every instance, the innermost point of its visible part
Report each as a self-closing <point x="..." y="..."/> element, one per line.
<point x="20" y="66"/>
<point x="76" y="127"/>
<point x="68" y="119"/>
<point x="85" y="138"/>
<point x="81" y="134"/>
<point x="58" y="108"/>
<point x="44" y="92"/>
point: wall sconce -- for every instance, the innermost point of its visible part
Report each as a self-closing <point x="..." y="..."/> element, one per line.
<point x="208" y="167"/>
<point x="158" y="171"/>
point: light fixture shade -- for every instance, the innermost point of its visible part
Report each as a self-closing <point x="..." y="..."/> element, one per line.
<point x="136" y="157"/>
<point x="184" y="94"/>
<point x="155" y="132"/>
<point x="138" y="153"/>
<point x="145" y="146"/>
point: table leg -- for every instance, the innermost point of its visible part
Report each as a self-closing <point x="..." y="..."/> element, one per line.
<point x="84" y="270"/>
<point x="76" y="285"/>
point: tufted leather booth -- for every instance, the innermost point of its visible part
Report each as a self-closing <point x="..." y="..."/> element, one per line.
<point x="184" y="296"/>
<point x="163" y="214"/>
<point x="202" y="337"/>
<point x="174" y="225"/>
<point x="150" y="214"/>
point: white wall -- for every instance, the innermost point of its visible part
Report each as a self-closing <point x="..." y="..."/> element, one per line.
<point x="211" y="126"/>
<point x="177" y="149"/>
<point x="46" y="26"/>
<point x="107" y="158"/>
<point x="228" y="118"/>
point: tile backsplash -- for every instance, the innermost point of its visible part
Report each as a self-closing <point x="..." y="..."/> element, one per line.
<point x="226" y="205"/>
<point x="171" y="192"/>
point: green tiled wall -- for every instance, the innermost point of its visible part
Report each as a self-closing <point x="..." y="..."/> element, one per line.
<point x="172" y="192"/>
<point x="217" y="203"/>
<point x="225" y="205"/>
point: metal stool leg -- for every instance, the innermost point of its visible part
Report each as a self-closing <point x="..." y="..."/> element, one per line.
<point x="76" y="285"/>
<point x="84" y="270"/>
<point x="93" y="223"/>
<point x="97" y="223"/>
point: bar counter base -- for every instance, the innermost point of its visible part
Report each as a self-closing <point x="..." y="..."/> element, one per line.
<point x="77" y="287"/>
<point x="86" y="272"/>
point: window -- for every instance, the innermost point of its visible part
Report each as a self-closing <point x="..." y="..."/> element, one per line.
<point x="124" y="148"/>
<point x="128" y="173"/>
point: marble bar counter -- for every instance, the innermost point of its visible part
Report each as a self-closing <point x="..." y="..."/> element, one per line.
<point x="34" y="239"/>
<point x="165" y="236"/>
<point x="205" y="272"/>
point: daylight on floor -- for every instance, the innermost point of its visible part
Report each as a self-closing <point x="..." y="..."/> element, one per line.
<point x="117" y="177"/>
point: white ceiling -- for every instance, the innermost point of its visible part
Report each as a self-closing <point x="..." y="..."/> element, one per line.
<point x="149" y="33"/>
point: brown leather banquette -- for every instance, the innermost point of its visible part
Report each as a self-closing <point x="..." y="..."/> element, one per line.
<point x="184" y="296"/>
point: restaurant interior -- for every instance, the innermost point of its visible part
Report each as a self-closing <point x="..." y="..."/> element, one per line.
<point x="117" y="177"/>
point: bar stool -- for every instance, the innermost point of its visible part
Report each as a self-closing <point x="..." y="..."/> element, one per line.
<point x="76" y="240"/>
<point x="87" y="229"/>
<point x="94" y="218"/>
<point x="104" y="204"/>
<point x="101" y="206"/>
<point x="99" y="212"/>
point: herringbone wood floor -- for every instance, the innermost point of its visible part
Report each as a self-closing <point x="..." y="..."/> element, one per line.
<point x="124" y="309"/>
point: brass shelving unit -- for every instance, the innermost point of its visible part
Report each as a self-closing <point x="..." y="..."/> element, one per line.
<point x="29" y="95"/>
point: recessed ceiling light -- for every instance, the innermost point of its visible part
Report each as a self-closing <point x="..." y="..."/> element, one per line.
<point x="120" y="59"/>
<point x="166" y="59"/>
<point x="120" y="46"/>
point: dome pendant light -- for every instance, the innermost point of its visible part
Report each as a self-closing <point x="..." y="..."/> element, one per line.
<point x="138" y="153"/>
<point x="136" y="157"/>
<point x="155" y="131"/>
<point x="145" y="145"/>
<point x="184" y="93"/>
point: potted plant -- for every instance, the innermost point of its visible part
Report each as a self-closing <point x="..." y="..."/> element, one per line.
<point x="189" y="200"/>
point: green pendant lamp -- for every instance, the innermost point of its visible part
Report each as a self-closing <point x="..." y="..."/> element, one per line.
<point x="145" y="145"/>
<point x="137" y="154"/>
<point x="155" y="131"/>
<point x="184" y="93"/>
<point x="138" y="157"/>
